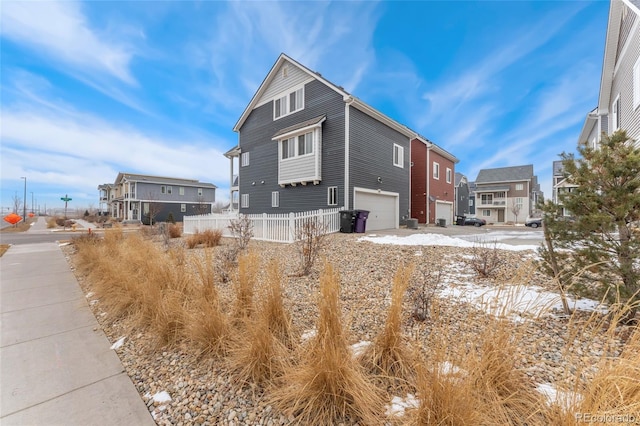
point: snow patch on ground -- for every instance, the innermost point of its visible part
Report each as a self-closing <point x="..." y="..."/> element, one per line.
<point x="308" y="335"/>
<point x="437" y="240"/>
<point x="119" y="343"/>
<point x="565" y="399"/>
<point x="358" y="348"/>
<point x="399" y="405"/>
<point x="161" y="397"/>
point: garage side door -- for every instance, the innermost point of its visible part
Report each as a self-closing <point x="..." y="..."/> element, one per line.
<point x="444" y="211"/>
<point x="383" y="209"/>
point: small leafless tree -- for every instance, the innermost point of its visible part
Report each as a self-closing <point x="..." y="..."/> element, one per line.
<point x="17" y="203"/>
<point x="242" y="230"/>
<point x="202" y="207"/>
<point x="153" y="209"/>
<point x="515" y="209"/>
<point x="217" y="207"/>
<point x="485" y="259"/>
<point x="310" y="238"/>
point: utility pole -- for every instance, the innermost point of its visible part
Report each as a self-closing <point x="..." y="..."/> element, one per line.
<point x="32" y="202"/>
<point x="24" y="200"/>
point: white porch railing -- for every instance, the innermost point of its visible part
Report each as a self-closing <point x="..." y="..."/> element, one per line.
<point x="266" y="227"/>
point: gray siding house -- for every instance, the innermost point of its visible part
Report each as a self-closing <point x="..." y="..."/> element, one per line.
<point x="462" y="204"/>
<point x="306" y="144"/>
<point x="136" y="198"/>
<point x="619" y="96"/>
<point x="501" y="191"/>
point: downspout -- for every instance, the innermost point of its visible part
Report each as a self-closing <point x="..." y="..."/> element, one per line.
<point x="428" y="185"/>
<point x="347" y="101"/>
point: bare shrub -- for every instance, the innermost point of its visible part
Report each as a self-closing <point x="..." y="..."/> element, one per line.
<point x="485" y="259"/>
<point x="422" y="293"/>
<point x="391" y="357"/>
<point x="175" y="231"/>
<point x="242" y="231"/>
<point x="228" y="262"/>
<point x="328" y="386"/>
<point x="208" y="238"/>
<point x="310" y="239"/>
<point x="52" y="222"/>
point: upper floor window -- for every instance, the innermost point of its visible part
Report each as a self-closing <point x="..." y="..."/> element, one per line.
<point x="448" y="175"/>
<point x="297" y="146"/>
<point x="199" y="192"/>
<point x="436" y="170"/>
<point x="181" y="190"/>
<point x="398" y="155"/>
<point x="501" y="194"/>
<point x="244" y="159"/>
<point x="288" y="103"/>
<point x="166" y="189"/>
<point x="486" y="198"/>
<point x="519" y="186"/>
<point x="615" y="114"/>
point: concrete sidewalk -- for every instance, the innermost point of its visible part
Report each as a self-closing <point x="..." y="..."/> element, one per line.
<point x="57" y="367"/>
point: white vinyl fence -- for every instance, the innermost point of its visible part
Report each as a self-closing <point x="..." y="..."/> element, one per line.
<point x="267" y="227"/>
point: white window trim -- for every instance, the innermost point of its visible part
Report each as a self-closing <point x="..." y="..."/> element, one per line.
<point x="296" y="154"/>
<point x="615" y="114"/>
<point x="519" y="186"/>
<point x="485" y="211"/>
<point x="181" y="190"/>
<point x="199" y="192"/>
<point x="636" y="84"/>
<point x="244" y="159"/>
<point x="436" y="170"/>
<point x="400" y="150"/>
<point x="275" y="199"/>
<point x="286" y="96"/>
<point x="183" y="208"/>
<point x="335" y="198"/>
<point x="449" y="174"/>
<point x="244" y="203"/>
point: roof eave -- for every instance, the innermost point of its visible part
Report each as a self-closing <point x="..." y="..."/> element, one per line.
<point x="610" y="47"/>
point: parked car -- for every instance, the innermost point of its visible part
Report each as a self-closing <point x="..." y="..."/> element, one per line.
<point x="474" y="221"/>
<point x="535" y="222"/>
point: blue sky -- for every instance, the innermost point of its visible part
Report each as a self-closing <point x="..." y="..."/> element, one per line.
<point x="89" y="89"/>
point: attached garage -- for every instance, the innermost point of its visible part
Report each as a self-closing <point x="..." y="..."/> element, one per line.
<point x="383" y="207"/>
<point x="444" y="210"/>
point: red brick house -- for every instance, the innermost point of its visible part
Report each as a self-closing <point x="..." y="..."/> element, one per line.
<point x="432" y="182"/>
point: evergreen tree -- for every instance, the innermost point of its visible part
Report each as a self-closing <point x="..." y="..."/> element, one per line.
<point x="604" y="240"/>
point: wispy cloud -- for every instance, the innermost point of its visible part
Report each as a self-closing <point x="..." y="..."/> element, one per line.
<point x="59" y="30"/>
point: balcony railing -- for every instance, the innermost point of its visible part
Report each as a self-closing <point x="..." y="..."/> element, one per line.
<point x="500" y="202"/>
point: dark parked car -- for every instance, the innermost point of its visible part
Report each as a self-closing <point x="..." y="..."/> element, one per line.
<point x="533" y="223"/>
<point x="474" y="221"/>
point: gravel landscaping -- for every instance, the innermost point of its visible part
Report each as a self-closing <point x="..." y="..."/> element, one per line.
<point x="181" y="389"/>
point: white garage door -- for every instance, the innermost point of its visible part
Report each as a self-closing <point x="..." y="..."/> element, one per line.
<point x="444" y="211"/>
<point x="382" y="207"/>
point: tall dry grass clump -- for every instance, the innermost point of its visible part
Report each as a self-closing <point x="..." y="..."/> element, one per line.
<point x="262" y="352"/>
<point x="244" y="283"/>
<point x="391" y="357"/>
<point x="209" y="327"/>
<point x="209" y="238"/>
<point x="328" y="386"/>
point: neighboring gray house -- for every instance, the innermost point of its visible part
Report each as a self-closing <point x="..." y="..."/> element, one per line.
<point x="135" y="197"/>
<point x="619" y="98"/>
<point x="560" y="185"/>
<point x="461" y="189"/>
<point x="501" y="191"/>
<point x="472" y="198"/>
<point x="304" y="143"/>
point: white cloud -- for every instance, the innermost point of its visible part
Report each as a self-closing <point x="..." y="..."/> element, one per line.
<point x="60" y="30"/>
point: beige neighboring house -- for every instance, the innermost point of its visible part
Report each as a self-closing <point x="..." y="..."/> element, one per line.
<point x="501" y="191"/>
<point x="619" y="97"/>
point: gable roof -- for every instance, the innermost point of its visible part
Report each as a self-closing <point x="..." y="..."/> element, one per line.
<point x="134" y="177"/>
<point x="458" y="178"/>
<point x="346" y="96"/>
<point x="505" y="174"/>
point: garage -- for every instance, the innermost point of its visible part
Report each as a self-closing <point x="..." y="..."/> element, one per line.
<point x="444" y="210"/>
<point x="383" y="207"/>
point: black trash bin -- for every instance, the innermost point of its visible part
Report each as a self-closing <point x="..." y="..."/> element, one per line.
<point x="347" y="221"/>
<point x="460" y="220"/>
<point x="361" y="221"/>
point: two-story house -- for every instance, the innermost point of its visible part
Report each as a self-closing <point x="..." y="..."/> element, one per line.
<point x="137" y="198"/>
<point x="560" y="184"/>
<point x="502" y="192"/>
<point x="619" y="96"/>
<point x="305" y="143"/>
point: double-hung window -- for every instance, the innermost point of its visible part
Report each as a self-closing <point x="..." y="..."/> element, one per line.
<point x="636" y="84"/>
<point x="398" y="155"/>
<point x="305" y="144"/>
<point x="436" y="170"/>
<point x="615" y="114"/>
<point x="275" y="199"/>
<point x="288" y="103"/>
<point x="448" y="175"/>
<point x="244" y="201"/>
